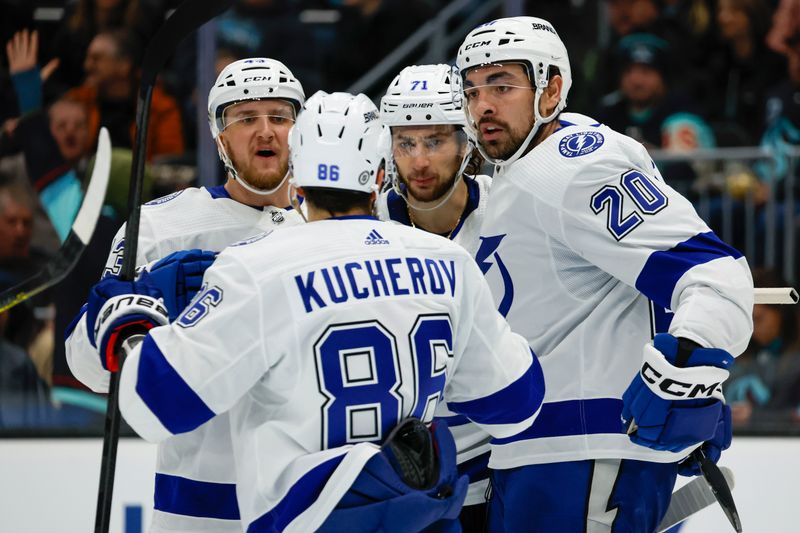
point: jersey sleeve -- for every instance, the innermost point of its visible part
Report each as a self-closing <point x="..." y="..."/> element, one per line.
<point x="497" y="381"/>
<point x="82" y="358"/>
<point x="621" y="216"/>
<point x="185" y="373"/>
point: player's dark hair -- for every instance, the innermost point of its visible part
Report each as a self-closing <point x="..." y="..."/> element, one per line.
<point x="337" y="200"/>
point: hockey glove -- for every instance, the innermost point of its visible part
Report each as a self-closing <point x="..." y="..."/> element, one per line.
<point x="118" y="309"/>
<point x="381" y="499"/>
<point x="178" y="277"/>
<point x="711" y="448"/>
<point x="675" y="400"/>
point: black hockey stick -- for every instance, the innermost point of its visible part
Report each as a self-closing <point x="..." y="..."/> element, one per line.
<point x="79" y="235"/>
<point x="719" y="486"/>
<point x="690" y="499"/>
<point x="190" y="15"/>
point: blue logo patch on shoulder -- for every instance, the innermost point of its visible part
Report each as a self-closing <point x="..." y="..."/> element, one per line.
<point x="164" y="199"/>
<point x="251" y="240"/>
<point x="578" y="144"/>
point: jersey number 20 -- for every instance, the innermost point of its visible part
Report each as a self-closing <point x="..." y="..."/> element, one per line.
<point x="360" y="374"/>
<point x="646" y="196"/>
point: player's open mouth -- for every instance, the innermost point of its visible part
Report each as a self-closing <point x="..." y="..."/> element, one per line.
<point x="265" y="153"/>
<point x="490" y="131"/>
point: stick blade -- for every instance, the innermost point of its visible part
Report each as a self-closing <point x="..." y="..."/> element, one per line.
<point x="86" y="221"/>
<point x="690" y="499"/>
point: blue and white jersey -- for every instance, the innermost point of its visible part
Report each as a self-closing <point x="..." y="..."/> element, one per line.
<point x="317" y="340"/>
<point x="472" y="443"/>
<point x="195" y="473"/>
<point x="392" y="206"/>
<point x="588" y="252"/>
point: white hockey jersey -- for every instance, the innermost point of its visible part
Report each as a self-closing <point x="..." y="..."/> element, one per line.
<point x="317" y="340"/>
<point x="195" y="473"/>
<point x="472" y="442"/>
<point x="588" y="252"/>
<point x="392" y="206"/>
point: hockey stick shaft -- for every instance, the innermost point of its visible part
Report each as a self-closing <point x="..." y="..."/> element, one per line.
<point x="691" y="499"/>
<point x="189" y="15"/>
<point x="79" y="235"/>
<point x="775" y="295"/>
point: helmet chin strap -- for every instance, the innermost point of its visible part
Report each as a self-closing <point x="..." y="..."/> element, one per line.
<point x="537" y="123"/>
<point x="396" y="184"/>
<point x="226" y="161"/>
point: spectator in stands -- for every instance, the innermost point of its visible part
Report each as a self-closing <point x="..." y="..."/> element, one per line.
<point x="764" y="385"/>
<point x="84" y="19"/>
<point x="367" y="32"/>
<point x="272" y="28"/>
<point x="24" y="397"/>
<point x="740" y="71"/>
<point x="16" y="222"/>
<point x="109" y="94"/>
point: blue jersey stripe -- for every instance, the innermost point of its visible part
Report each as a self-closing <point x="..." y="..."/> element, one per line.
<point x="573" y="417"/>
<point x="511" y="405"/>
<point x="477" y="468"/>
<point x="454" y="421"/>
<point x="72" y="325"/>
<point x="166" y="394"/>
<point x="299" y="498"/>
<point x="189" y="497"/>
<point x="663" y="269"/>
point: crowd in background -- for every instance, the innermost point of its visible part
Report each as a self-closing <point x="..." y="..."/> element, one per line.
<point x="677" y="75"/>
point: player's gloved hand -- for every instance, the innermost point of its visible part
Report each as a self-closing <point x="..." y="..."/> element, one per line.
<point x="118" y="309"/>
<point x="675" y="400"/>
<point x="178" y="277"/>
<point x="711" y="448"/>
<point x="384" y="498"/>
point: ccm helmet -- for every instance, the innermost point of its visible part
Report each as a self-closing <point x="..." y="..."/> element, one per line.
<point x="528" y="40"/>
<point x="338" y="143"/>
<point x="256" y="78"/>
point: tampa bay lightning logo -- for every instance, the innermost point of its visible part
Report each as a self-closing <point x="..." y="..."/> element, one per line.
<point x="164" y="199"/>
<point x="578" y="144"/>
<point x="487" y="256"/>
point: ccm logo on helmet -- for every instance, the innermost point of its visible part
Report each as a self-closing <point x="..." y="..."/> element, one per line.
<point x="477" y="45"/>
<point x="677" y="388"/>
<point x="256" y="78"/>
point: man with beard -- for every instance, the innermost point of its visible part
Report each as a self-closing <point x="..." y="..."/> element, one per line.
<point x="430" y="155"/>
<point x="636" y="308"/>
<point x="251" y="108"/>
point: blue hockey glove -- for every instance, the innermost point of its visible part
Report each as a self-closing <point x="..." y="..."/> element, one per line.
<point x="711" y="448"/>
<point x="178" y="277"/>
<point x="675" y="400"/>
<point x="118" y="309"/>
<point x="381" y="498"/>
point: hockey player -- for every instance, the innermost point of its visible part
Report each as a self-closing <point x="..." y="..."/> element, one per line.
<point x="251" y="108"/>
<point x="589" y="253"/>
<point x="431" y="157"/>
<point x="321" y="338"/>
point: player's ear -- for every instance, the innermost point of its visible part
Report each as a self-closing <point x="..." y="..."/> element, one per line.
<point x="379" y="178"/>
<point x="551" y="96"/>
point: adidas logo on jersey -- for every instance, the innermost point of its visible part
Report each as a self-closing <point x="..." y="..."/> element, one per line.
<point x="375" y="238"/>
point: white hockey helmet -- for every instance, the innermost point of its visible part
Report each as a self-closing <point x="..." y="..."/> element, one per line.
<point x="528" y="40"/>
<point x="423" y="95"/>
<point x="255" y="78"/>
<point x="338" y="143"/>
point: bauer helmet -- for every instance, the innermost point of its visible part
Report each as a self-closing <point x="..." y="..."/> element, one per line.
<point x="338" y="143"/>
<point x="530" y="41"/>
<point x="425" y="95"/>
